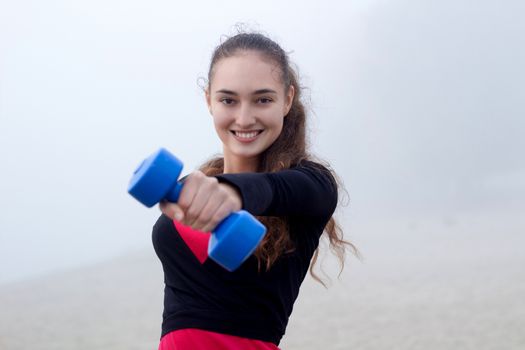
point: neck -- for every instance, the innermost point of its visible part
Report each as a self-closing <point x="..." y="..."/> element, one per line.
<point x="234" y="164"/>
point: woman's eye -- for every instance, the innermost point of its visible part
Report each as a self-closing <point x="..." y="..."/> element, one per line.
<point x="265" y="100"/>
<point x="227" y="101"/>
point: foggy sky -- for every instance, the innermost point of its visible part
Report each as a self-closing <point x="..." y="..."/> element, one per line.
<point x="419" y="106"/>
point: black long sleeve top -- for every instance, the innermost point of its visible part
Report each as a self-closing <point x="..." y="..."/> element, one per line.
<point x="248" y="302"/>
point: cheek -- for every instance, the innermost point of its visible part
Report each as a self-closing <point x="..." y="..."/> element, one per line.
<point x="221" y="123"/>
<point x="280" y="129"/>
<point x="219" y="117"/>
<point x="276" y="119"/>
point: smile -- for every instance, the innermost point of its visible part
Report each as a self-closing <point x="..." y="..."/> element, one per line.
<point x="246" y="136"/>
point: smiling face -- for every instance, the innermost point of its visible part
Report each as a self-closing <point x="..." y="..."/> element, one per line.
<point x="248" y="102"/>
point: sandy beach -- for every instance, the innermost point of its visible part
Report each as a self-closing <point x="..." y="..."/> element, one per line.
<point x="423" y="284"/>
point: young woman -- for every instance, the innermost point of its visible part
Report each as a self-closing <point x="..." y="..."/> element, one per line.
<point x="253" y="96"/>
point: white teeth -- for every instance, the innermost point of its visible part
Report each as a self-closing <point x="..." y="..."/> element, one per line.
<point x="246" y="135"/>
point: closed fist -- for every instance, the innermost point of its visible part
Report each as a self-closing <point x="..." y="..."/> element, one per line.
<point x="203" y="202"/>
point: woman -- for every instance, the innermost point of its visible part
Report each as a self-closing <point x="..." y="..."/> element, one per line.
<point x="254" y="98"/>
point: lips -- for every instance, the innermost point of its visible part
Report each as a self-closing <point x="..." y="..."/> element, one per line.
<point x="246" y="136"/>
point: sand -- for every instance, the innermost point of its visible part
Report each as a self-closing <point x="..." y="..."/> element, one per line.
<point x="423" y="284"/>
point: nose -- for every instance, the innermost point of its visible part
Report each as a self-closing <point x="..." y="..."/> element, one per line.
<point x="246" y="116"/>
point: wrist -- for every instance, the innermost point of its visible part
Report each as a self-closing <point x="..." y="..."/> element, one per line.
<point x="233" y="193"/>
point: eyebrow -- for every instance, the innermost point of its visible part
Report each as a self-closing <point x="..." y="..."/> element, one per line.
<point x="256" y="92"/>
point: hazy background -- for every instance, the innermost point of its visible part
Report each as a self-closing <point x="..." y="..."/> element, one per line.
<point x="418" y="105"/>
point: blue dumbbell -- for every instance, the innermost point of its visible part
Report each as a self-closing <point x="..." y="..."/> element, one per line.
<point x="232" y="241"/>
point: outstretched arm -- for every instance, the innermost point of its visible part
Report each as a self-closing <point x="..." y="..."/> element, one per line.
<point x="306" y="190"/>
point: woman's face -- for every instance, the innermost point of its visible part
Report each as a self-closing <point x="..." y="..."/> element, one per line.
<point x="248" y="102"/>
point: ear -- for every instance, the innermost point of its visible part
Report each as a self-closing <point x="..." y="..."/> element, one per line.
<point x="289" y="100"/>
<point x="208" y="98"/>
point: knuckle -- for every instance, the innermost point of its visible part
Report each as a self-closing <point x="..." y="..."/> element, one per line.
<point x="219" y="216"/>
<point x="196" y="225"/>
<point x="191" y="214"/>
<point x="192" y="178"/>
<point x="184" y="201"/>
<point x="203" y="219"/>
<point x="201" y="223"/>
<point x="212" y="183"/>
<point x="223" y="191"/>
<point x="183" y="204"/>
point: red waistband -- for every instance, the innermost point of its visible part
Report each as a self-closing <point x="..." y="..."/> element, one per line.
<point x="197" y="339"/>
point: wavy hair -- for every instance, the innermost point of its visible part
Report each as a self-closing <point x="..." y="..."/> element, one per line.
<point x="288" y="150"/>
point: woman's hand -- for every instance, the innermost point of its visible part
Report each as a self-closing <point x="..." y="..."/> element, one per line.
<point x="203" y="202"/>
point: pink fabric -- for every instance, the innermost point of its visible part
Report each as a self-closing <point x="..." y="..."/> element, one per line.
<point x="197" y="339"/>
<point x="197" y="241"/>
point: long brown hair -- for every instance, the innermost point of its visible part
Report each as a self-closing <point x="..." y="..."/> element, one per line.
<point x="288" y="150"/>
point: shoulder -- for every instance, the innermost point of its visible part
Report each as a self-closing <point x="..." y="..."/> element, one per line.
<point x="319" y="171"/>
<point x="325" y="180"/>
<point x="308" y="163"/>
<point x="312" y="184"/>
